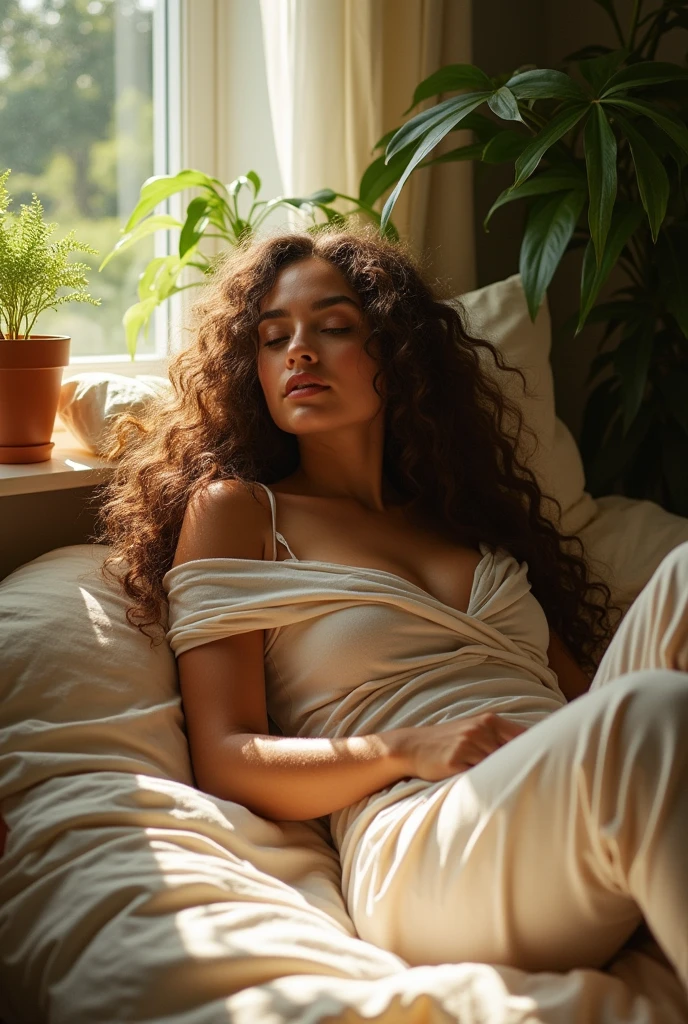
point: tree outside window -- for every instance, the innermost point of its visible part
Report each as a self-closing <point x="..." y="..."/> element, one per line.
<point x="76" y="127"/>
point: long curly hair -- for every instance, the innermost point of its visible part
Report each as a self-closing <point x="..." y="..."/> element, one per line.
<point x="452" y="436"/>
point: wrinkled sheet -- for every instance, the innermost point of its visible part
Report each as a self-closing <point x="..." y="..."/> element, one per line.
<point x="133" y="898"/>
<point x="128" y="895"/>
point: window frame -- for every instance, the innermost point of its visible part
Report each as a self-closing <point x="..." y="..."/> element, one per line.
<point x="168" y="75"/>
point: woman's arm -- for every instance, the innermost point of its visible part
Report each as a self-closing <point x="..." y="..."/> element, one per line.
<point x="573" y="681"/>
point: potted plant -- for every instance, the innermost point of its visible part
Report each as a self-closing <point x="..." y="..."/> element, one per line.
<point x="32" y="272"/>
<point x="214" y="213"/>
<point x="599" y="150"/>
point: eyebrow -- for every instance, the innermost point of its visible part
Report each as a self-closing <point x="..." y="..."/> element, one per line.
<point x="332" y="300"/>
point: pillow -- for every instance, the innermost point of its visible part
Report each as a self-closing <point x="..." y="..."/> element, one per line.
<point x="626" y="540"/>
<point x="79" y="685"/>
<point x="499" y="313"/>
<point x="89" y="402"/>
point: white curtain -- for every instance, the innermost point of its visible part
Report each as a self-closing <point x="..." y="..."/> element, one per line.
<point x="340" y="73"/>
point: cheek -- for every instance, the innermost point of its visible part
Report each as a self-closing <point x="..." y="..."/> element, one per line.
<point x="266" y="376"/>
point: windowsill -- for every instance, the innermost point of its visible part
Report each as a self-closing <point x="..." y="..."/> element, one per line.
<point x="71" y="465"/>
<point x="149" y="365"/>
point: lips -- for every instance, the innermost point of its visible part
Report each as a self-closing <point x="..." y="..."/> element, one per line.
<point x="301" y="381"/>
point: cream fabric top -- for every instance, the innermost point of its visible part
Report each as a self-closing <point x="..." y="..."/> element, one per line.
<point x="351" y="650"/>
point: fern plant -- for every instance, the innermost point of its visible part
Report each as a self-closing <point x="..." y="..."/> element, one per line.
<point x="33" y="269"/>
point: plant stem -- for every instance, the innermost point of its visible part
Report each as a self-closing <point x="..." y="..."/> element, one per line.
<point x="648" y="33"/>
<point x="536" y="118"/>
<point x="615" y="21"/>
<point x="659" y="28"/>
<point x="637" y="4"/>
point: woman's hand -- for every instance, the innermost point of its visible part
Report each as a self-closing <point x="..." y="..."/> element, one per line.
<point x="434" y="752"/>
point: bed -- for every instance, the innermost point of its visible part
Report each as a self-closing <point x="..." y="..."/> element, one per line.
<point x="126" y="894"/>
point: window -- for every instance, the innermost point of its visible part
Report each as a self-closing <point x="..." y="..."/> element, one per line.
<point x="85" y="117"/>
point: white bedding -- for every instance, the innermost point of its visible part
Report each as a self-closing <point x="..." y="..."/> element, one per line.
<point x="128" y="895"/>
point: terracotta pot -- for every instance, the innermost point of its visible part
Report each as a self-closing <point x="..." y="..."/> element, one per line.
<point x="30" y="380"/>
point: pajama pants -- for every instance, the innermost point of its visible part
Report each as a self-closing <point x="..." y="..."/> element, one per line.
<point x="551" y="852"/>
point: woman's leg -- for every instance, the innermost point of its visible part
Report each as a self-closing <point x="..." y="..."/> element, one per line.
<point x="549" y="853"/>
<point x="654" y="631"/>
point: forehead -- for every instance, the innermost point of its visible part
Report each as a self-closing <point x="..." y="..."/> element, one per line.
<point x="309" y="278"/>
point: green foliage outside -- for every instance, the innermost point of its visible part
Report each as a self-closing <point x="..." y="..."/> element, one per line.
<point x="34" y="269"/>
<point x="76" y="128"/>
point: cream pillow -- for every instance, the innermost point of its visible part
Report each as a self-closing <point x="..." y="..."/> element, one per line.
<point x="89" y="402"/>
<point x="79" y="685"/>
<point x="499" y="313"/>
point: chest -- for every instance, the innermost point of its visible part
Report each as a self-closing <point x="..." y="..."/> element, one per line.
<point x="346" y="535"/>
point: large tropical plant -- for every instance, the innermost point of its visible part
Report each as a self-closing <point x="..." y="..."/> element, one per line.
<point x="214" y="213"/>
<point x="599" y="149"/>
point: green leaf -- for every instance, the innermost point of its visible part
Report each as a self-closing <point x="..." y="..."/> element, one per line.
<point x="598" y="70"/>
<point x="586" y="52"/>
<point x="160" y="187"/>
<point x="379" y="176"/>
<point x="196" y="222"/>
<point x="644" y="73"/>
<point x="147" y="279"/>
<point x="666" y="121"/>
<point x="158" y="222"/>
<point x="632" y="362"/>
<point x="135" y="318"/>
<point x="321" y="195"/>
<point x="653" y="183"/>
<point x="504" y="147"/>
<point x="426" y="121"/>
<point x="384" y="141"/>
<point x="482" y="127"/>
<point x="625" y="220"/>
<point x="472" y="152"/>
<point x="464" y="105"/>
<point x="544" y="84"/>
<point x="503" y="104"/>
<point x="535" y="150"/>
<point x="600" y="158"/>
<point x="255" y="181"/>
<point x="546" y="181"/>
<point x="449" y="79"/>
<point x="550" y="224"/>
<point x="614" y="312"/>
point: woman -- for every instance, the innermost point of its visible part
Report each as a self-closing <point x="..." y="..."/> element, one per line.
<point x="355" y="557"/>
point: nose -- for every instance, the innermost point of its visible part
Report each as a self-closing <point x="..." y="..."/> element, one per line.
<point x="301" y="348"/>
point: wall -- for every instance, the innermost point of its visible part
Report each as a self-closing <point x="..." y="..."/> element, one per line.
<point x="31" y="524"/>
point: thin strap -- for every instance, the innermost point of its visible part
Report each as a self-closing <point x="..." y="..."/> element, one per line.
<point x="275" y="535"/>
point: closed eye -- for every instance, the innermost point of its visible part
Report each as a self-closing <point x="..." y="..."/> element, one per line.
<point x="326" y="330"/>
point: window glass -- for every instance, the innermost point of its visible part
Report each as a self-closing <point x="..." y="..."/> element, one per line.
<point x="76" y="128"/>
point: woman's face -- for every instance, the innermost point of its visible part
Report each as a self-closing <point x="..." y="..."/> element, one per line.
<point x="311" y="322"/>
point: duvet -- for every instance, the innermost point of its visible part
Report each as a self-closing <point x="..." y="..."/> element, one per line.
<point x="126" y="894"/>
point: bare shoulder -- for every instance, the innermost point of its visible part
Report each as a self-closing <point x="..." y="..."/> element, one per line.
<point x="224" y="519"/>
